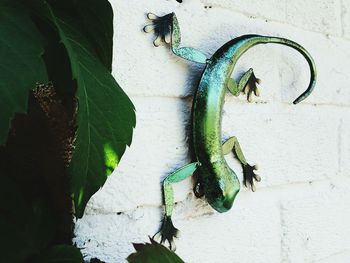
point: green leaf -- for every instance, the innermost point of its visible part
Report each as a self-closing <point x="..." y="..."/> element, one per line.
<point x="26" y="226"/>
<point x="95" y="19"/>
<point x="98" y="24"/>
<point x="62" y="254"/>
<point x="13" y="226"/>
<point x="21" y="65"/>
<point x="153" y="253"/>
<point x="105" y="116"/>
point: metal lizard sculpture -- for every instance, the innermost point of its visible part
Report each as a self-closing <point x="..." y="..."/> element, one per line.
<point x="216" y="180"/>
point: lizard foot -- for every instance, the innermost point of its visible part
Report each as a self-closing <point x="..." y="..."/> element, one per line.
<point x="251" y="87"/>
<point x="167" y="233"/>
<point x="161" y="26"/>
<point x="249" y="176"/>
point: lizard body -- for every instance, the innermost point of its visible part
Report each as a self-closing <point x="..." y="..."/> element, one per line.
<point x="216" y="180"/>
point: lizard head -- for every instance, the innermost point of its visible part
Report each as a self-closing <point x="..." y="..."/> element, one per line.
<point x="222" y="194"/>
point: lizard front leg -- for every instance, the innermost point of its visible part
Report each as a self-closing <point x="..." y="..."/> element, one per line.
<point x="168" y="231"/>
<point x="232" y="145"/>
<point x="246" y="84"/>
<point x="167" y="30"/>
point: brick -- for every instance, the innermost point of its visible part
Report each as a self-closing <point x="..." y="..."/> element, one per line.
<point x="300" y="212"/>
<point x="319" y="16"/>
<point x="143" y="70"/>
<point x="271" y="9"/>
<point x="299" y="143"/>
<point x="345" y="17"/>
<point x="238" y="232"/>
<point x="250" y="232"/>
<point x="159" y="147"/>
<point x="139" y="67"/>
<point x="255" y="228"/>
<point x="315" y="15"/>
<point x="110" y="237"/>
<point x="332" y="58"/>
<point x="315" y="223"/>
<point x="344" y="143"/>
<point x="341" y="257"/>
<point x="290" y="143"/>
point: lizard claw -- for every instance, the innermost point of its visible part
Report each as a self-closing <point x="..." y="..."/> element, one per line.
<point x="251" y="87"/>
<point x="161" y="26"/>
<point x="249" y="176"/>
<point x="167" y="233"/>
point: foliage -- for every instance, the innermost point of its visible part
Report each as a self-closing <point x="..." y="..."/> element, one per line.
<point x="36" y="207"/>
<point x="61" y="254"/>
<point x="153" y="253"/>
<point x="81" y="30"/>
<point x="105" y="116"/>
<point x="64" y="121"/>
<point x="21" y="48"/>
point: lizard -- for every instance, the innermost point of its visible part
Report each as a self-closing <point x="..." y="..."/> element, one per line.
<point x="215" y="179"/>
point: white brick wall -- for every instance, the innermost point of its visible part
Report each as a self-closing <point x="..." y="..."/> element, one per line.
<point x="301" y="210"/>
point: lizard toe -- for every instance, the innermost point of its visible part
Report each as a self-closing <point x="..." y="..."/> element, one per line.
<point x="152" y="16"/>
<point x="161" y="26"/>
<point x="249" y="176"/>
<point x="167" y="233"/>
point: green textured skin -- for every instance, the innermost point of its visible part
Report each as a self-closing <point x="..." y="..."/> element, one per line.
<point x="220" y="183"/>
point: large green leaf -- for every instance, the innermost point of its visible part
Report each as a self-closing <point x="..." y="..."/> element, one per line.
<point x="98" y="25"/>
<point x="153" y="253"/>
<point x="105" y="116"/>
<point x="61" y="254"/>
<point x="21" y="65"/>
<point x="95" y="19"/>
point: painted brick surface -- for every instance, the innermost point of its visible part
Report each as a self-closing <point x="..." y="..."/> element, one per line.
<point x="299" y="138"/>
<point x="300" y="212"/>
<point x="315" y="220"/>
<point x="345" y="18"/>
<point x="344" y="144"/>
<point x="316" y="15"/>
<point x="252" y="8"/>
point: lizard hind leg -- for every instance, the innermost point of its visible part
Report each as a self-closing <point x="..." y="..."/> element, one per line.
<point x="247" y="84"/>
<point x="249" y="175"/>
<point x="167" y="231"/>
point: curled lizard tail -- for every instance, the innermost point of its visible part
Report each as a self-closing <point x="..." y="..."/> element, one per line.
<point x="308" y="58"/>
